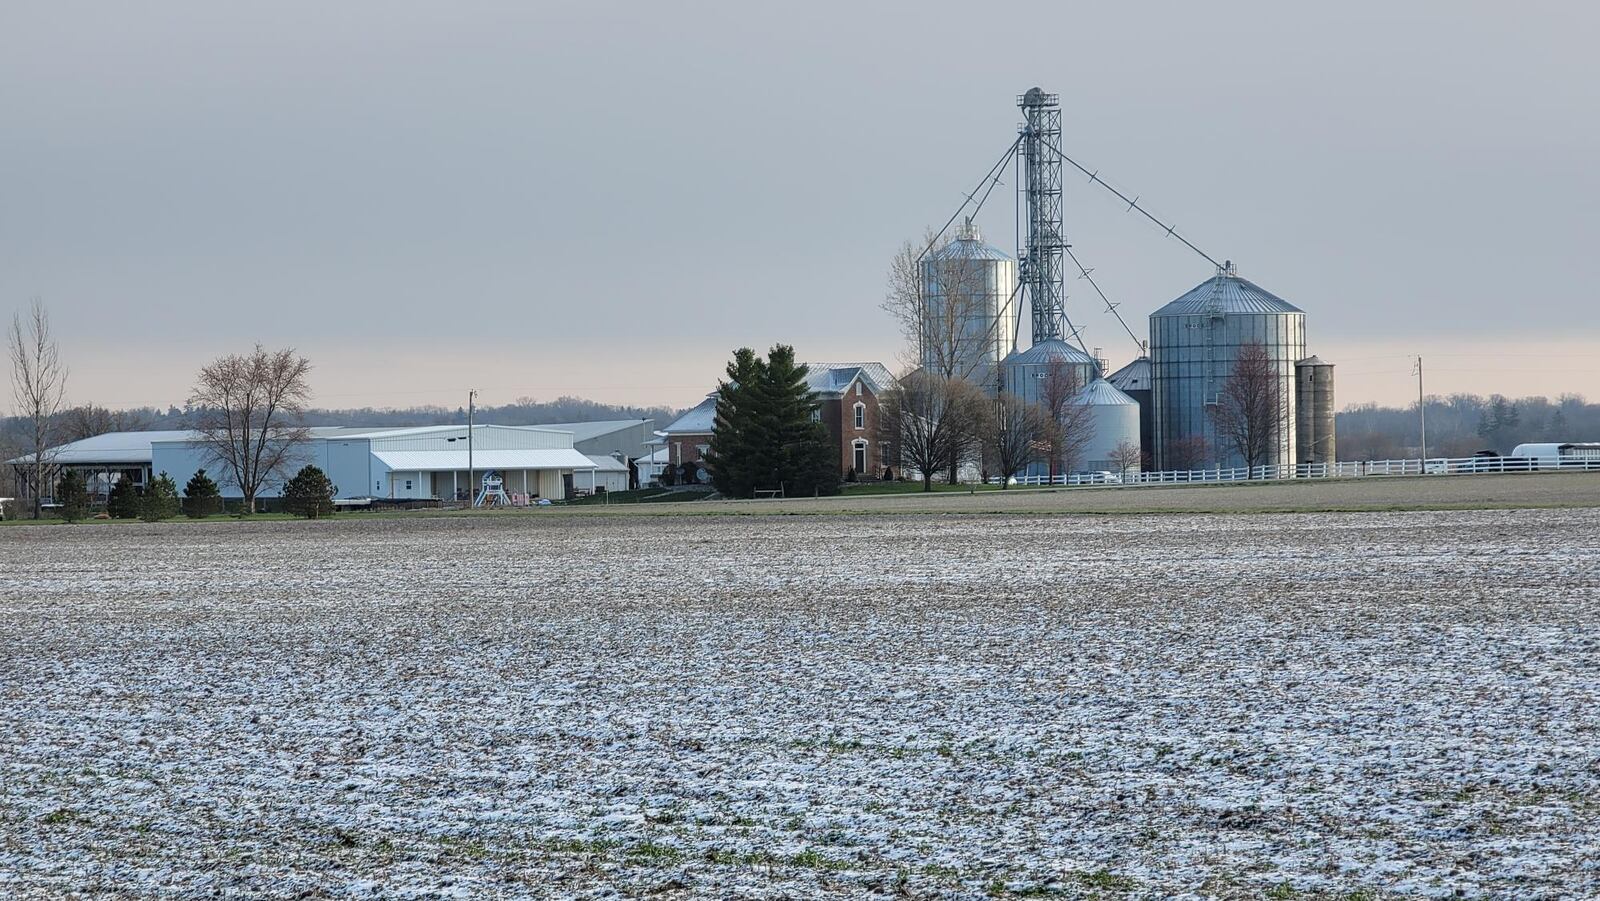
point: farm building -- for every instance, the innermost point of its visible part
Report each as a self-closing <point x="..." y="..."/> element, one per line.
<point x="414" y="463"/>
<point x="428" y="462"/>
<point x="629" y="438"/>
<point x="609" y="474"/>
<point x="647" y="470"/>
<point x="102" y="460"/>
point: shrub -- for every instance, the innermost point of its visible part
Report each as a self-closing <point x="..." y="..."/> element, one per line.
<point x="123" y="502"/>
<point x="160" y="500"/>
<point x="201" y="497"/>
<point x="73" y="496"/>
<point x="309" y="494"/>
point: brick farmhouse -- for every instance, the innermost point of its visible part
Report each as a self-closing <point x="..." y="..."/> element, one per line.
<point x="847" y="404"/>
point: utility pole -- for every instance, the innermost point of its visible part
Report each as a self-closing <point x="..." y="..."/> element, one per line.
<point x="1422" y="414"/>
<point x="472" y="491"/>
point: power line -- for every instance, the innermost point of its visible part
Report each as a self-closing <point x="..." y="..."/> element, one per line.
<point x="1132" y="202"/>
<point x="1110" y="307"/>
<point x="990" y="178"/>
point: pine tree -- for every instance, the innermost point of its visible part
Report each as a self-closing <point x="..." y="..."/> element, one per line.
<point x="123" y="502"/>
<point x="309" y="493"/>
<point x="160" y="499"/>
<point x="73" y="496"/>
<point x="201" y="497"/>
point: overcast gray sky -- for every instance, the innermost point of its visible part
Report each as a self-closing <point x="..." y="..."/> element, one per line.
<point x="604" y="199"/>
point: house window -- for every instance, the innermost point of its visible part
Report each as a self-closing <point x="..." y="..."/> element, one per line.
<point x="860" y="461"/>
<point x="816" y="414"/>
<point x="858" y="389"/>
<point x="408" y="484"/>
<point x="861" y="415"/>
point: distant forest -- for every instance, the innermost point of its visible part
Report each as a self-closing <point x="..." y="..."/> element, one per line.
<point x="1462" y="424"/>
<point x="1458" y="425"/>
<point x="90" y="419"/>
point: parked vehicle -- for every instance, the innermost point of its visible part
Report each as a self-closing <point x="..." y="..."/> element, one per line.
<point x="1550" y="455"/>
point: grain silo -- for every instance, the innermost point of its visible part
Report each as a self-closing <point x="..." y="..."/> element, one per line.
<point x="1113" y="423"/>
<point x="1134" y="381"/>
<point x="1313" y="399"/>
<point x="968" y="325"/>
<point x="1029" y="373"/>
<point x="1195" y="344"/>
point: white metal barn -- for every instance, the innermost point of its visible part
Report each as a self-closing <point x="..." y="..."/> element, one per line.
<point x="413" y="463"/>
<point x="609" y="474"/>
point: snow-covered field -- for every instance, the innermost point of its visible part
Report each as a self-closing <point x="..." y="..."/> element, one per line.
<point x="1289" y="706"/>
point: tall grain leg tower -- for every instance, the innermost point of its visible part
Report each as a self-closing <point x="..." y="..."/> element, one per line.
<point x="1043" y="255"/>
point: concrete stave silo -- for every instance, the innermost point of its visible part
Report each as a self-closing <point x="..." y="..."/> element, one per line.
<point x="1195" y="344"/>
<point x="1314" y="415"/>
<point x="968" y="323"/>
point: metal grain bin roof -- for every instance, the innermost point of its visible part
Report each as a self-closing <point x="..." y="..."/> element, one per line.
<point x="1101" y="393"/>
<point x="1048" y="351"/>
<point x="1312" y="360"/>
<point x="1226" y="294"/>
<point x="1133" y="377"/>
<point x="969" y="248"/>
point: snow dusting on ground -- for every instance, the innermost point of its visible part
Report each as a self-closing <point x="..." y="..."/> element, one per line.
<point x="552" y="705"/>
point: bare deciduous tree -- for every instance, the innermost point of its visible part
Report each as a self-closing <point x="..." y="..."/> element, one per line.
<point x="39" y="386"/>
<point x="1071" y="423"/>
<point x="929" y="418"/>
<point x="1125" y="456"/>
<point x="1015" y="433"/>
<point x="248" y="411"/>
<point x="1187" y="454"/>
<point x="1249" y="414"/>
<point x="943" y="304"/>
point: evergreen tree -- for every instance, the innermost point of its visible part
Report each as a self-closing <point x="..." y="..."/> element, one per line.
<point x="201" y="497"/>
<point x="309" y="493"/>
<point x="73" y="496"/>
<point x="764" y="435"/>
<point x="123" y="502"/>
<point x="734" y="455"/>
<point x="160" y="499"/>
<point x="807" y="460"/>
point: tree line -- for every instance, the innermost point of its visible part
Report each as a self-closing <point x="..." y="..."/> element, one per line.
<point x="1462" y="424"/>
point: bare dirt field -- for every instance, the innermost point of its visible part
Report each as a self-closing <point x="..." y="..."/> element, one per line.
<point x="1338" y="705"/>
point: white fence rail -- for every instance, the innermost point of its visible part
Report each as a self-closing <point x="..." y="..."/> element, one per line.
<point x="1436" y="466"/>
